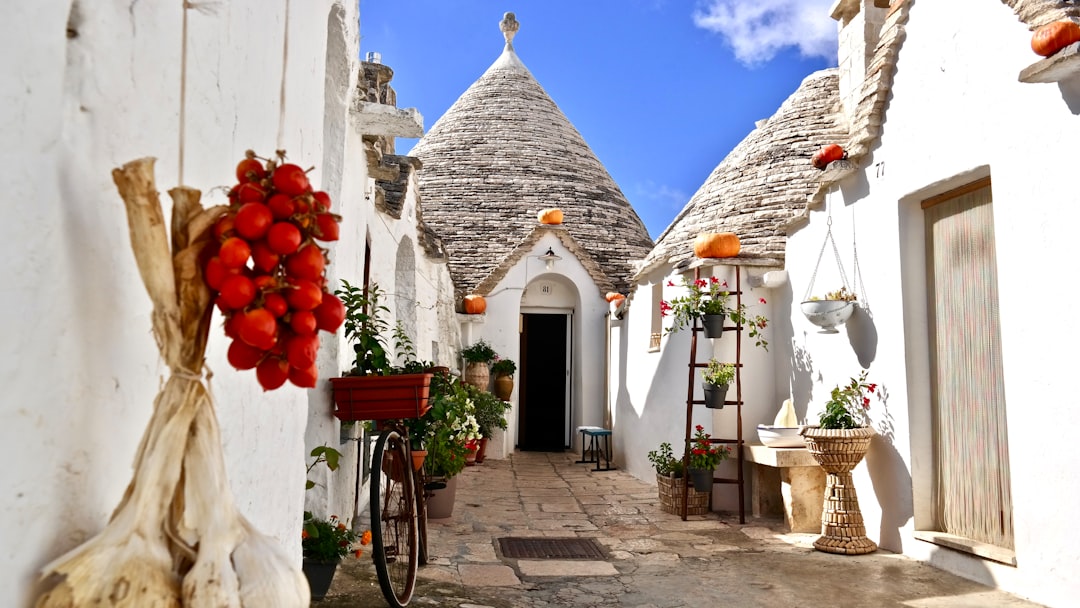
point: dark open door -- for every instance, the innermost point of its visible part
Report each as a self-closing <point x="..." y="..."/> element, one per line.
<point x="542" y="395"/>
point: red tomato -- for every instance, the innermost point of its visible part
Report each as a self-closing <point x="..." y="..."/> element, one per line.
<point x="237" y="292"/>
<point x="276" y="304"/>
<point x="264" y="258"/>
<point x="284" y="238"/>
<point x="330" y="313"/>
<point x="302" y="350"/>
<point x="304" y="378"/>
<point x="307" y="263"/>
<point x="272" y="373"/>
<point x="303" y="322"/>
<point x="249" y="170"/>
<point x="326" y="227"/>
<point x="281" y="205"/>
<point x="244" y="356"/>
<point x="304" y="295"/>
<point x="265" y="282"/>
<point x="234" y="252"/>
<point x="322" y="201"/>
<point x="216" y="273"/>
<point x="250" y="192"/>
<point x="253" y="220"/>
<point x="230" y="326"/>
<point x="225" y="227"/>
<point x="257" y="328"/>
<point x="291" y="180"/>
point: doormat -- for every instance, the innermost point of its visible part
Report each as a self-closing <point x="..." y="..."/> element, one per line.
<point x="550" y="548"/>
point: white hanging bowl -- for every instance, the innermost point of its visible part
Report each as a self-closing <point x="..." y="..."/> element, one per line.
<point x="827" y="314"/>
<point x="780" y="436"/>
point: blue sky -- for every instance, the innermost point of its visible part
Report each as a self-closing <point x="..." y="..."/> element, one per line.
<point x="661" y="90"/>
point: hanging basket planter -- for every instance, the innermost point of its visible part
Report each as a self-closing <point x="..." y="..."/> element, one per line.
<point x="827" y="314"/>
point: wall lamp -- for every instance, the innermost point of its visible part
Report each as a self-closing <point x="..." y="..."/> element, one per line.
<point x="549" y="259"/>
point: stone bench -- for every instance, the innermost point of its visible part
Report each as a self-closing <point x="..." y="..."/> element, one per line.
<point x="786" y="481"/>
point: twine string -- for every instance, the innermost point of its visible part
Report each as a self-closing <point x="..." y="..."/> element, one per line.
<point x="284" y="69"/>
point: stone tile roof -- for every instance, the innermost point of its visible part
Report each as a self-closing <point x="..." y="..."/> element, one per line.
<point x="1040" y="12"/>
<point x="762" y="183"/>
<point x="603" y="282"/>
<point x="501" y="153"/>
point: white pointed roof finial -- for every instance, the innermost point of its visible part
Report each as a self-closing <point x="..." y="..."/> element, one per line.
<point x="509" y="26"/>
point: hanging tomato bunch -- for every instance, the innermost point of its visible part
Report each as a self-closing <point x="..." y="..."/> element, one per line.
<point x="268" y="273"/>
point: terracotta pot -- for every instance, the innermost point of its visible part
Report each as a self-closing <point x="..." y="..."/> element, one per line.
<point x="477" y="374"/>
<point x="418" y="457"/>
<point x="481" y="452"/>
<point x="504" y="387"/>
<point x="381" y="397"/>
<point x="470" y="456"/>
<point x="440" y="504"/>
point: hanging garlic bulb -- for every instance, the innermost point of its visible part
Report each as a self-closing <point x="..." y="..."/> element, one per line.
<point x="176" y="538"/>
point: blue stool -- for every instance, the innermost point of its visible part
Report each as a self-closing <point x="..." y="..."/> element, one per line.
<point x="595" y="434"/>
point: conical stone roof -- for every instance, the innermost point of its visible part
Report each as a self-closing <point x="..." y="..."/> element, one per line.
<point x="500" y="154"/>
<point x="764" y="182"/>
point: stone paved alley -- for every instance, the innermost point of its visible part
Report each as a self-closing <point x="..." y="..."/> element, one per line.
<point x="654" y="560"/>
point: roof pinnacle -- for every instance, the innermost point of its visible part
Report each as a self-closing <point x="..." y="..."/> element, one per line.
<point x="509" y="26"/>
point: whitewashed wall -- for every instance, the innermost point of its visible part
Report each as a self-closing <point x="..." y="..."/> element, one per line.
<point x="650" y="388"/>
<point x="573" y="289"/>
<point x="957" y="113"/>
<point x="79" y="366"/>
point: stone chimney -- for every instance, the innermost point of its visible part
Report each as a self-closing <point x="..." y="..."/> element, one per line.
<point x="860" y="27"/>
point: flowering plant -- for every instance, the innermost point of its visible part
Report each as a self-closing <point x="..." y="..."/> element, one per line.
<point x="847" y="405"/>
<point x="447" y="426"/>
<point x="717" y="373"/>
<point x="329" y="540"/>
<point x="710" y="297"/>
<point x="703" y="454"/>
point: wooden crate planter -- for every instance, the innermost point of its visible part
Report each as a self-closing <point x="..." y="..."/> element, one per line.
<point x="671" y="496"/>
<point x="381" y="397"/>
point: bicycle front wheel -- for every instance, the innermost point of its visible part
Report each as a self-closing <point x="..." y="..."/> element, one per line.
<point x="394" y="534"/>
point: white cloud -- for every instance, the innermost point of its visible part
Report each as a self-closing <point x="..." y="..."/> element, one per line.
<point x="758" y="29"/>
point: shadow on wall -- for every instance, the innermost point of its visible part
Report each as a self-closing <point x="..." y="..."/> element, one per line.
<point x="1070" y="92"/>
<point x="890" y="477"/>
<point x="862" y="335"/>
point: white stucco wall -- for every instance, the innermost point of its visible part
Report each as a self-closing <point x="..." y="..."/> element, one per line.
<point x="572" y="289"/>
<point x="651" y="409"/>
<point x="957" y="113"/>
<point x="79" y="367"/>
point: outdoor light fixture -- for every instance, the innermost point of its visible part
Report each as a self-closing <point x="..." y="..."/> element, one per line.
<point x="550" y="258"/>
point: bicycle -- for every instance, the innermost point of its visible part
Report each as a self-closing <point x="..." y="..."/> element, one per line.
<point x="398" y="511"/>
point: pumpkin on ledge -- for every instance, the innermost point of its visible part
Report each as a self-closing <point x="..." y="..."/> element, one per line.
<point x="550" y="216"/>
<point x="474" y="304"/>
<point x="1054" y="36"/>
<point x="717" y="245"/>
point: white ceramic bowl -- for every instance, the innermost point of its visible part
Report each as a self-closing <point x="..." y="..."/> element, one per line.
<point x="780" y="436"/>
<point x="827" y="314"/>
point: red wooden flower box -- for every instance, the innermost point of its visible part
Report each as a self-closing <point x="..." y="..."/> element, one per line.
<point x="381" y="397"/>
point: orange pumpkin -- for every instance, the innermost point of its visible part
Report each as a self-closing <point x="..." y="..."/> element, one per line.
<point x="828" y="154"/>
<point x="716" y="245"/>
<point x="550" y="216"/>
<point x="1055" y="36"/>
<point x="615" y="297"/>
<point x="474" y="304"/>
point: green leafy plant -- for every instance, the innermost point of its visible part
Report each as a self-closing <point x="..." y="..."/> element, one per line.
<point x="718" y="373"/>
<point x="664" y="461"/>
<point x="481" y="352"/>
<point x="367" y="327"/>
<point x="323" y="453"/>
<point x="503" y="367"/>
<point x="490" y="411"/>
<point x="329" y="540"/>
<point x="848" y="405"/>
<point x="703" y="454"/>
<point x="446" y="428"/>
<point x="710" y="297"/>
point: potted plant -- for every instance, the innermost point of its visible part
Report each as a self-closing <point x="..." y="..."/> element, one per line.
<point x="376" y="388"/>
<point x="838" y="443"/>
<point x="715" y="380"/>
<point x="703" y="458"/>
<point x="445" y="430"/>
<point x="707" y="299"/>
<point x="325" y="543"/>
<point x="490" y="415"/>
<point x="477" y="359"/>
<point x="503" y="370"/>
<point x="832" y="310"/>
<point x="671" y="484"/>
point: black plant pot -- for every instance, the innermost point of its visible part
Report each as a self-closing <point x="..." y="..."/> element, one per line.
<point x="714" y="325"/>
<point x="319" y="576"/>
<point x="715" y="395"/>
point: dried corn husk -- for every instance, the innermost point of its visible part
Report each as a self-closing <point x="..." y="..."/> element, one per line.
<point x="176" y="537"/>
